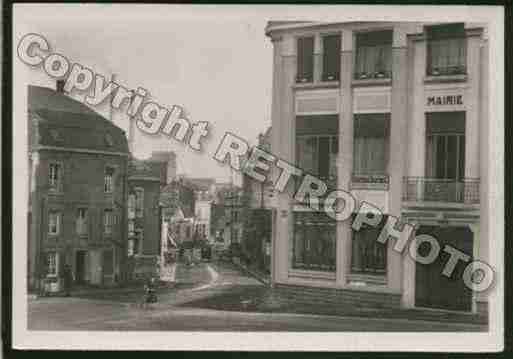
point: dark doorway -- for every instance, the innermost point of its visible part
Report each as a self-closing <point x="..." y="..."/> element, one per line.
<point x="432" y="288"/>
<point x="108" y="262"/>
<point x="80" y="267"/>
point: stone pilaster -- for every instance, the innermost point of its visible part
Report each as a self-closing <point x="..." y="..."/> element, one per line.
<point x="473" y="103"/>
<point x="285" y="141"/>
<point x="345" y="153"/>
<point x="398" y="133"/>
<point x="417" y="127"/>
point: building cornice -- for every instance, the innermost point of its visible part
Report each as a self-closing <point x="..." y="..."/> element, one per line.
<point x="79" y="150"/>
<point x="144" y="178"/>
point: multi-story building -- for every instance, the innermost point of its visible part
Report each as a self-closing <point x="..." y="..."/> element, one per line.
<point x="395" y="113"/>
<point x="257" y="213"/>
<point x="146" y="178"/>
<point x="204" y="189"/>
<point x="77" y="170"/>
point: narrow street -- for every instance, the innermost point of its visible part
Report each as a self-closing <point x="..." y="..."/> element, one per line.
<point x="207" y="296"/>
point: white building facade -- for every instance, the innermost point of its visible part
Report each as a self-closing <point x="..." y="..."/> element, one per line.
<point x="395" y="113"/>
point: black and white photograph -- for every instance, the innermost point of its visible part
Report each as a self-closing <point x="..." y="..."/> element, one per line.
<point x="258" y="177"/>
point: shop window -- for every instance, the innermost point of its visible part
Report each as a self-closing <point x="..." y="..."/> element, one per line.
<point x="54" y="222"/>
<point x="373" y="55"/>
<point x="314" y="241"/>
<point x="371" y="144"/>
<point x="81" y="223"/>
<point x="331" y="58"/>
<point x="305" y="59"/>
<point x="55" y="176"/>
<point x="446" y="50"/>
<point x="368" y="255"/>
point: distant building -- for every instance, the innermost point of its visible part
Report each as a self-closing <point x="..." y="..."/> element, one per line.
<point x="204" y="190"/>
<point x="227" y="215"/>
<point x="146" y="178"/>
<point x="256" y="211"/>
<point x="77" y="168"/>
<point x="177" y="200"/>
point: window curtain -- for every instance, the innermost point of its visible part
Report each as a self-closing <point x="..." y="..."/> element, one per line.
<point x="447" y="53"/>
<point x="307" y="154"/>
<point x="371" y="59"/>
<point x="331" y="58"/>
<point x="370" y="155"/>
<point x="305" y="47"/>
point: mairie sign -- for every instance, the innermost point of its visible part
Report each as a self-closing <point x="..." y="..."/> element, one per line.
<point x="445" y="100"/>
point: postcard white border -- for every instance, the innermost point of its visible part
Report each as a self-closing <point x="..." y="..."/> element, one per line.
<point x="24" y="14"/>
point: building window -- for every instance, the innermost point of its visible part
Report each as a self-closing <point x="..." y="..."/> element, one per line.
<point x="374" y="55"/>
<point x="446" y="50"/>
<point x="108" y="140"/>
<point x="81" y="224"/>
<point x="55" y="176"/>
<point x="331" y="58"/>
<point x="317" y="146"/>
<point x="109" y="180"/>
<point x="368" y="255"/>
<point x="131" y="228"/>
<point x="51" y="264"/>
<point x="54" y="223"/>
<point x="445" y="142"/>
<point x="139" y="202"/>
<point x="305" y="59"/>
<point x="131" y="206"/>
<point x="371" y="144"/>
<point x="314" y="241"/>
<point x="108" y="221"/>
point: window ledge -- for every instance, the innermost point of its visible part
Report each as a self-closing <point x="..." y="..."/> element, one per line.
<point x="316" y="85"/>
<point x="368" y="186"/>
<point x="55" y="192"/>
<point x="368" y="279"/>
<point x="311" y="274"/>
<point x="445" y="78"/>
<point x="371" y="82"/>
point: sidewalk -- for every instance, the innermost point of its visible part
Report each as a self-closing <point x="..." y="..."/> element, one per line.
<point x="263" y="299"/>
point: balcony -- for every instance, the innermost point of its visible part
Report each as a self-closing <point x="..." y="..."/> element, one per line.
<point x="422" y="189"/>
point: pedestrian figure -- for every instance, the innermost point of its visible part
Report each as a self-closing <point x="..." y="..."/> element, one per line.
<point x="150" y="295"/>
<point x="68" y="280"/>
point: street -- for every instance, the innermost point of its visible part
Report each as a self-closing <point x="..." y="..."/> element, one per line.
<point x="215" y="297"/>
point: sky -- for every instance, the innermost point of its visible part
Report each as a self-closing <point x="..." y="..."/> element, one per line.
<point x="215" y="61"/>
<point x="218" y="68"/>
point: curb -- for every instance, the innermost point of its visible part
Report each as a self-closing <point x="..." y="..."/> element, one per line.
<point x="254" y="274"/>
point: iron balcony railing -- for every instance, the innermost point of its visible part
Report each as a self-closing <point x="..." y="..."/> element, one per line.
<point x="422" y="189"/>
<point x="377" y="181"/>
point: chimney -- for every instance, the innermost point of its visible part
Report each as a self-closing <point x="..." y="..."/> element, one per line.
<point x="59" y="86"/>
